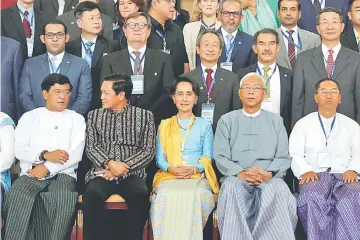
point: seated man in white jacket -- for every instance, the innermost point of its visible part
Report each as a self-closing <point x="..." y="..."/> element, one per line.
<point x="49" y="143"/>
<point x="325" y="151"/>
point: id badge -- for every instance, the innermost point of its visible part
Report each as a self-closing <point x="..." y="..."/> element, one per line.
<point x="226" y="65"/>
<point x="324" y="160"/>
<point x="30" y="46"/>
<point x="207" y="111"/>
<point x="268" y="105"/>
<point x="138" y="84"/>
<point x="167" y="51"/>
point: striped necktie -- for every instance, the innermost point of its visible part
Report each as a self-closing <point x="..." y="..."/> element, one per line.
<point x="291" y="49"/>
<point x="137" y="64"/>
<point x="88" y="53"/>
<point x="267" y="84"/>
<point x="330" y="64"/>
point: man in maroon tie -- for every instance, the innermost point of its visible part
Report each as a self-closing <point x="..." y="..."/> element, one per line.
<point x="218" y="86"/>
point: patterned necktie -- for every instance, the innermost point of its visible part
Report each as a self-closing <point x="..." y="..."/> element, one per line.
<point x="209" y="82"/>
<point x="267" y="84"/>
<point x="316" y="6"/>
<point x="88" y="53"/>
<point x="53" y="65"/>
<point x="26" y="25"/>
<point x="291" y="49"/>
<point x="330" y="63"/>
<point x="137" y="64"/>
<point x="229" y="40"/>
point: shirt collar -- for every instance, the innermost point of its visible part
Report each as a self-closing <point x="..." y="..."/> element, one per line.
<point x="58" y="57"/>
<point x="22" y="9"/>
<point x="214" y="68"/>
<point x="255" y="114"/>
<point x="295" y="29"/>
<point x="141" y="50"/>
<point x="225" y="33"/>
<point x="261" y="66"/>
<point x="336" y="49"/>
<point x="86" y="41"/>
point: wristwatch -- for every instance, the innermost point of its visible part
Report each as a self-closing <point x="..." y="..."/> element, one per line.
<point x="42" y="157"/>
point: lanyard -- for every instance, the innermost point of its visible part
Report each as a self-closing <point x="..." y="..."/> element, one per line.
<point x="27" y="19"/>
<point x="210" y="88"/>
<point x="52" y="67"/>
<point x="87" y="48"/>
<point x="134" y="60"/>
<point x="269" y="78"/>
<point x="322" y="126"/>
<point x="163" y="38"/>
<point x="212" y="26"/>
<point x="183" y="138"/>
<point x="292" y="42"/>
<point x="229" y="51"/>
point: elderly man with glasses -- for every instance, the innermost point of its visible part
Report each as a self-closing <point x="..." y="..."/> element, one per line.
<point x="325" y="151"/>
<point x="251" y="151"/>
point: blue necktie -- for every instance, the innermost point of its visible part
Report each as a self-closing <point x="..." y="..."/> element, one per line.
<point x="88" y="52"/>
<point x="229" y="41"/>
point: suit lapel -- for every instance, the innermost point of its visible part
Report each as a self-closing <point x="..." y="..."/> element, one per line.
<point x="38" y="27"/>
<point x="17" y="21"/>
<point x="303" y="39"/>
<point x="350" y="37"/>
<point x="78" y="48"/>
<point x="283" y="51"/>
<point x="318" y="62"/>
<point x="56" y="5"/>
<point x="219" y="82"/>
<point x="45" y="64"/>
<point x="125" y="61"/>
<point x="342" y="60"/>
<point x="98" y="51"/>
<point x="237" y="45"/>
<point x="148" y="64"/>
<point x="203" y="91"/>
<point x="283" y="79"/>
<point x="65" y="64"/>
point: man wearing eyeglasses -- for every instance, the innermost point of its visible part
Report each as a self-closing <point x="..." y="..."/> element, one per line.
<point x="325" y="150"/>
<point x="56" y="60"/>
<point x="237" y="52"/>
<point x="251" y="151"/>
<point x="331" y="60"/>
<point x="150" y="70"/>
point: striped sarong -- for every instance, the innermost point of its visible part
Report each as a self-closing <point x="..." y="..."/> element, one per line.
<point x="40" y="210"/>
<point x="329" y="209"/>
<point x="263" y="212"/>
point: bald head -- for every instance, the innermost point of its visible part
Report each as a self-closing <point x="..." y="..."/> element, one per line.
<point x="251" y="91"/>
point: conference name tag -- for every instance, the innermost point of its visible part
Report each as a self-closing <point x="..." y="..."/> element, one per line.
<point x="138" y="84"/>
<point x="30" y="46"/>
<point x="207" y="111"/>
<point x="226" y="65"/>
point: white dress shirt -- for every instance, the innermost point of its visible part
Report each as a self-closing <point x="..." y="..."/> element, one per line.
<point x="7" y="155"/>
<point x="275" y="89"/>
<point x="142" y="52"/>
<point x="307" y="145"/>
<point x="294" y="36"/>
<point x="322" y="3"/>
<point x="61" y="7"/>
<point x="325" y="51"/>
<point x="84" y="42"/>
<point x="356" y="36"/>
<point x="41" y="129"/>
<point x="214" y="68"/>
<point x="225" y="33"/>
<point x="56" y="59"/>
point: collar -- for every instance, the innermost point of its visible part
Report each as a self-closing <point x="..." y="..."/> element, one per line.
<point x="214" y="68"/>
<point x="22" y="9"/>
<point x="356" y="35"/>
<point x="336" y="49"/>
<point x="261" y="66"/>
<point x="155" y="24"/>
<point x="58" y="57"/>
<point x="225" y="33"/>
<point x="141" y="50"/>
<point x="255" y="114"/>
<point x="295" y="29"/>
<point x="93" y="40"/>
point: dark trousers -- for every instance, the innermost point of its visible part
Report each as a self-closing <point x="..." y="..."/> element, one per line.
<point x="133" y="189"/>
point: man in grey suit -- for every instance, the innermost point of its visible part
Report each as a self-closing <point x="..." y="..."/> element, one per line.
<point x="293" y="39"/>
<point x="74" y="31"/>
<point x="11" y="64"/>
<point x="55" y="61"/>
<point x="331" y="60"/>
<point x="218" y="86"/>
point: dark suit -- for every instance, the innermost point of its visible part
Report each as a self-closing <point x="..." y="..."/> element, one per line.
<point x="50" y="8"/>
<point x="158" y="79"/>
<point x="348" y="40"/>
<point x="12" y="27"/>
<point x="11" y="65"/>
<point x="242" y="55"/>
<point x="286" y="82"/>
<point x="225" y="92"/>
<point x="102" y="47"/>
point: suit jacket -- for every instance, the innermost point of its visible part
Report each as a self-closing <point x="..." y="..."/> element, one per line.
<point x="225" y="92"/>
<point x="242" y="55"/>
<point x="102" y="48"/>
<point x="69" y="20"/>
<point x="310" y="68"/>
<point x="158" y="79"/>
<point x="348" y="40"/>
<point x="107" y="7"/>
<point x="191" y="31"/>
<point x="12" y="27"/>
<point x="308" y="17"/>
<point x="50" y="8"/>
<point x="11" y="65"/>
<point x="308" y="39"/>
<point x="286" y="85"/>
<point x="37" y="68"/>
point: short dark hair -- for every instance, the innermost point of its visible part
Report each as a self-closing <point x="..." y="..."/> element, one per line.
<point x="54" y="78"/>
<point x="351" y="2"/>
<point x="317" y="85"/>
<point x="57" y="22"/>
<point x="195" y="86"/>
<point x="266" y="31"/>
<point x="121" y="83"/>
<point x="86" y="6"/>
<point x="299" y="4"/>
<point x="329" y="9"/>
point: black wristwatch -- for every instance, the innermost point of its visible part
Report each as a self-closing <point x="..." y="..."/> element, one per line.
<point x="42" y="157"/>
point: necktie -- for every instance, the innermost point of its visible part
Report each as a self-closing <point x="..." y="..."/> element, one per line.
<point x="330" y="63"/>
<point x="26" y="25"/>
<point x="291" y="49"/>
<point x="267" y="84"/>
<point x="209" y="82"/>
<point x="137" y="64"/>
<point x="88" y="52"/>
<point x="53" y="65"/>
<point x="316" y="6"/>
<point x="229" y="40"/>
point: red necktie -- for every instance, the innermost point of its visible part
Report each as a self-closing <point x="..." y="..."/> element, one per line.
<point x="209" y="82"/>
<point x="26" y="25"/>
<point x="330" y="64"/>
<point x="291" y="49"/>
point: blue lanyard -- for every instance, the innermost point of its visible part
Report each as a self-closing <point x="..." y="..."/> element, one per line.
<point x="259" y="72"/>
<point x="212" y="26"/>
<point x="163" y="38"/>
<point x="208" y="90"/>
<point x="141" y="59"/>
<point x="292" y="42"/>
<point x="322" y="126"/>
<point x="87" y="48"/>
<point x="30" y="22"/>
<point x="52" y="67"/>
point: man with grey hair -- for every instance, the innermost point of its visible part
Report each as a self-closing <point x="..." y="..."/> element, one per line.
<point x="218" y="86"/>
<point x="251" y="151"/>
<point x="237" y="52"/>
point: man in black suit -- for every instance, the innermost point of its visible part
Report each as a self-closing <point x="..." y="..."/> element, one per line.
<point x="53" y="8"/>
<point x="23" y="23"/>
<point x="90" y="23"/>
<point x="351" y="38"/>
<point x="278" y="80"/>
<point x="151" y="70"/>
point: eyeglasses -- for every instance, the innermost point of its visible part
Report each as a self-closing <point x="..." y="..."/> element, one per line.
<point x="58" y="35"/>
<point x="234" y="14"/>
<point x="252" y="88"/>
<point x="333" y="93"/>
<point x="58" y="93"/>
<point x="170" y="1"/>
<point x="329" y="23"/>
<point x="139" y="25"/>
